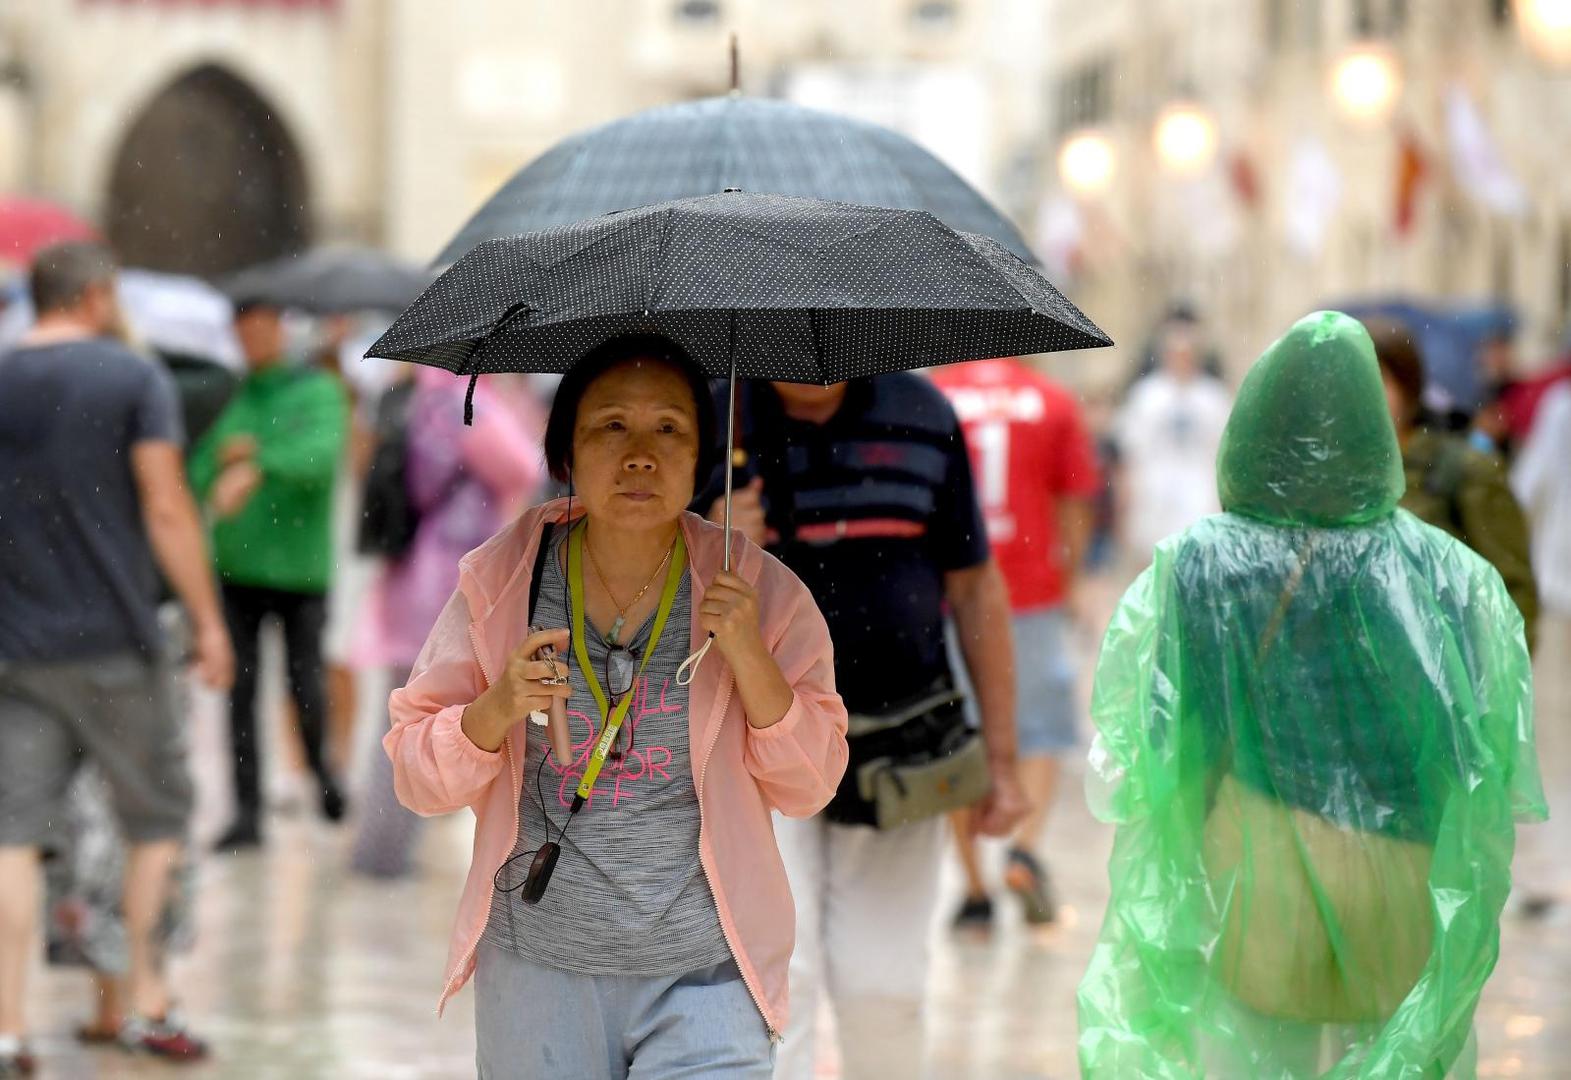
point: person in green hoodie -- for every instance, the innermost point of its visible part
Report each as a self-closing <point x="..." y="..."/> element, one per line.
<point x="1315" y="737"/>
<point x="266" y="471"/>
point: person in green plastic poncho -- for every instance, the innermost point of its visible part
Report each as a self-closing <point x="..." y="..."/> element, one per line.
<point x="1315" y="736"/>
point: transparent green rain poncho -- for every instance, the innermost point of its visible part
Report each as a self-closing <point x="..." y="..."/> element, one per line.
<point x="1315" y="736"/>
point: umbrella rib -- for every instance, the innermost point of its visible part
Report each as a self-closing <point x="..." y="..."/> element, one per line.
<point x="818" y="350"/>
<point x="657" y="284"/>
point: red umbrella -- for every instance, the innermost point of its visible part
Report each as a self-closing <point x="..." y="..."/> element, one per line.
<point x="26" y="225"/>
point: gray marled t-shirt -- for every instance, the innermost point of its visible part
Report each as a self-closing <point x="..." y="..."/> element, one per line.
<point x="628" y="896"/>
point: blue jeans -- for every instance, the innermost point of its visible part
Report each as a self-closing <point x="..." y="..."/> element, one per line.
<point x="534" y="1021"/>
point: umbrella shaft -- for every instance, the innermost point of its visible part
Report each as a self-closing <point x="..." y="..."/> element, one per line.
<point x="730" y="452"/>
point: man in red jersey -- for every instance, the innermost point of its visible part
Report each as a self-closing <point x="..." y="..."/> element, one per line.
<point x="1036" y="479"/>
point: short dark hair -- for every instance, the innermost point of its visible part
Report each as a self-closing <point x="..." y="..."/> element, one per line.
<point x="1399" y="357"/>
<point x="62" y="273"/>
<point x="602" y="358"/>
<point x="246" y="305"/>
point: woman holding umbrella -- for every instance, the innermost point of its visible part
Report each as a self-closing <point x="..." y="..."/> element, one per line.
<point x="659" y="929"/>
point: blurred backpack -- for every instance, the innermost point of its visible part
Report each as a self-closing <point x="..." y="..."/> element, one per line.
<point x="388" y="517"/>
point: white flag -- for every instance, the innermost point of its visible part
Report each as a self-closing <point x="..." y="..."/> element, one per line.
<point x="1476" y="159"/>
<point x="1314" y="191"/>
<point x="1060" y="235"/>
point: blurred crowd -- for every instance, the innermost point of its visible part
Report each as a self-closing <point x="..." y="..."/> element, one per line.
<point x="337" y="496"/>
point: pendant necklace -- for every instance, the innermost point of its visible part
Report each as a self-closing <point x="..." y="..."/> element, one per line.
<point x="623" y="609"/>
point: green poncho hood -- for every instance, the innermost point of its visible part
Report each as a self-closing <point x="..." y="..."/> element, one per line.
<point x="1310" y="441"/>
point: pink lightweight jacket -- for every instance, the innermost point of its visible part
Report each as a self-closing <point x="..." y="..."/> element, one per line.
<point x="741" y="773"/>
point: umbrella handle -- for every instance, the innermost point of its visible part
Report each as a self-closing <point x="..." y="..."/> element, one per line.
<point x="689" y="669"/>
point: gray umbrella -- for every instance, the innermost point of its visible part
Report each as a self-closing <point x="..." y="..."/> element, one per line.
<point x="331" y="280"/>
<point x="763" y="286"/>
<point x="701" y="147"/>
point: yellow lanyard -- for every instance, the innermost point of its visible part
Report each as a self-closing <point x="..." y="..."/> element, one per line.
<point x="611" y="719"/>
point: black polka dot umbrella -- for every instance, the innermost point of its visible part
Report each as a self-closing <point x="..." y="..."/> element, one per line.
<point x="761" y="286"/>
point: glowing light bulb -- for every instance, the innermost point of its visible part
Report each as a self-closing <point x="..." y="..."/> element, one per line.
<point x="1086" y="163"/>
<point x="1546" y="27"/>
<point x="1365" y="84"/>
<point x="1186" y="138"/>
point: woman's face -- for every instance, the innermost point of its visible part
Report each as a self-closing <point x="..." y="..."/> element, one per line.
<point x="635" y="445"/>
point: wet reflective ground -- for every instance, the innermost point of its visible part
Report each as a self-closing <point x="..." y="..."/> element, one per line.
<point x="302" y="970"/>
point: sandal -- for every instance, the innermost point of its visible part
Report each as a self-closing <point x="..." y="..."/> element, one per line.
<point x="168" y="1038"/>
<point x="1027" y="879"/>
<point x="93" y="1035"/>
<point x="18" y="1062"/>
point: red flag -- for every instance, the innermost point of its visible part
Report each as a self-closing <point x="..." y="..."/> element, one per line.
<point x="1245" y="180"/>
<point x="1412" y="168"/>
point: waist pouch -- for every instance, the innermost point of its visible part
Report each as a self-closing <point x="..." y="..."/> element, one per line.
<point x="913" y="761"/>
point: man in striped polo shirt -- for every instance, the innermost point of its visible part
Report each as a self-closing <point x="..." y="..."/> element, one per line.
<point x="864" y="490"/>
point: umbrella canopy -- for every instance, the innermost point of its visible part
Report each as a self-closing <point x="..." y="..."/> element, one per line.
<point x="177" y="314"/>
<point x="764" y="286"/>
<point x="28" y="225"/>
<point x="331" y="280"/>
<point x="1449" y="336"/>
<point x="700" y="147"/>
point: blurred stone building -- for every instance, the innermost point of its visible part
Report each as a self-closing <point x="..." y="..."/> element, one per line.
<point x="204" y="134"/>
<point x="1324" y="152"/>
<point x="200" y="135"/>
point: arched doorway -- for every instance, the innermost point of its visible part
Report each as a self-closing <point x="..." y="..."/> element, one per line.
<point x="206" y="180"/>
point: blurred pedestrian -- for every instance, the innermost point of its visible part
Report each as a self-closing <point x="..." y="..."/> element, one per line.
<point x="1315" y="721"/>
<point x="659" y="944"/>
<point x="85" y="911"/>
<point x="1451" y="484"/>
<point x="96" y="506"/>
<point x="353" y="572"/>
<point x="461" y="483"/>
<point x="864" y="490"/>
<point x="1181" y="315"/>
<point x="1491" y="430"/>
<point x="266" y="471"/>
<point x="1038" y="480"/>
<point x="1168" y="433"/>
<point x="1541" y="478"/>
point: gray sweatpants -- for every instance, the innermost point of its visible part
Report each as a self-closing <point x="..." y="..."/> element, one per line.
<point x="534" y="1021"/>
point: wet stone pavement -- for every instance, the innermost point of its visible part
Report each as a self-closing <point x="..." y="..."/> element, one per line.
<point x="302" y="970"/>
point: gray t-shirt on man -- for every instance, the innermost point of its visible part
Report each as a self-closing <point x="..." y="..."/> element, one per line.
<point x="628" y="896"/>
<point x="79" y="580"/>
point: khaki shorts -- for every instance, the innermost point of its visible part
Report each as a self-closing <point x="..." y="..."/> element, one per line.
<point x="117" y="711"/>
